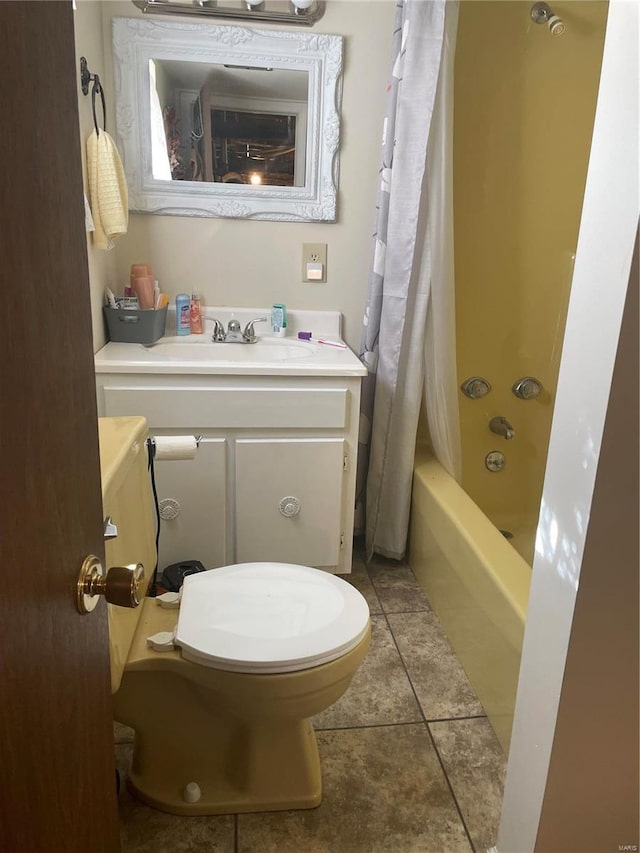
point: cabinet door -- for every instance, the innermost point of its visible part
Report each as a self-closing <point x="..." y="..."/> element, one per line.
<point x="197" y="486"/>
<point x="310" y="473"/>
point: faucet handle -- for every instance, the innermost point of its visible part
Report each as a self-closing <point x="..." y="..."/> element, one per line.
<point x="527" y="388"/>
<point x="218" y="335"/>
<point x="249" y="333"/>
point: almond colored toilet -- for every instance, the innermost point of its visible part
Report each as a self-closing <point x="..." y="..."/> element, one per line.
<point x="222" y="715"/>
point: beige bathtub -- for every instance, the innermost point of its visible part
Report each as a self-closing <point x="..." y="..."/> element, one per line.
<point x="477" y="584"/>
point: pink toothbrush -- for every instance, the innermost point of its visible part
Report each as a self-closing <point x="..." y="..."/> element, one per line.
<point x="337" y="344"/>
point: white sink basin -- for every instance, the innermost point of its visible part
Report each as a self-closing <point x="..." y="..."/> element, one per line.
<point x="200" y="348"/>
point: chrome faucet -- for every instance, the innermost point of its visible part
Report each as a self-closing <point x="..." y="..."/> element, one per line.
<point x="501" y="426"/>
<point x="249" y="333"/>
<point x="218" y="335"/>
<point x="234" y="334"/>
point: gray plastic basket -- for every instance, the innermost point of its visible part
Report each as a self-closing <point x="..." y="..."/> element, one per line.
<point x="130" y="326"/>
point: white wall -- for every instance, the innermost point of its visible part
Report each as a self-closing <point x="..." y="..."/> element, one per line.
<point x="89" y="43"/>
<point x="600" y="809"/>
<point x="245" y="264"/>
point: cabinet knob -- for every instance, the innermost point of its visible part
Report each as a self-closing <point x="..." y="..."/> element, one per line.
<point x="289" y="506"/>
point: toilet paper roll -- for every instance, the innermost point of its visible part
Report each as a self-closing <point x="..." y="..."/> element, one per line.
<point x="175" y="447"/>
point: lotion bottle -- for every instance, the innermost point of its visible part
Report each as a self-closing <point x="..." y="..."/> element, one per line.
<point x="279" y="320"/>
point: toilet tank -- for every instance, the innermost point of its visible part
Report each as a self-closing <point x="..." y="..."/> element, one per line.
<point x="127" y="498"/>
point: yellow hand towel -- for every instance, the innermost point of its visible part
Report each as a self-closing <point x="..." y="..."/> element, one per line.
<point x="107" y="189"/>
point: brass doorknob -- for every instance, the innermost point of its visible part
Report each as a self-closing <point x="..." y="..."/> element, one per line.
<point x="120" y="585"/>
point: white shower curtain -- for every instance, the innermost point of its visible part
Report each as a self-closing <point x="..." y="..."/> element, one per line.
<point x="441" y="381"/>
<point x="409" y="319"/>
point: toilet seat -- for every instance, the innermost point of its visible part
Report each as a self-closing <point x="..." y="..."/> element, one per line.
<point x="268" y="618"/>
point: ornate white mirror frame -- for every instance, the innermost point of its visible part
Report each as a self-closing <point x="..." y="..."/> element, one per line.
<point x="136" y="41"/>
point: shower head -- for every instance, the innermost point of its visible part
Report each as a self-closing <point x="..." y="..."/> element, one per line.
<point x="556" y="25"/>
<point x="542" y="14"/>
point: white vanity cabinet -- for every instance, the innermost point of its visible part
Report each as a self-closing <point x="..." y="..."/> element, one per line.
<point x="274" y="475"/>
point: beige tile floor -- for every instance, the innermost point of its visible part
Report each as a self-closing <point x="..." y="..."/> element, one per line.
<point x="410" y="762"/>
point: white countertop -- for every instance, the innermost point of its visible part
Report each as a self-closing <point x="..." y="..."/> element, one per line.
<point x="269" y="356"/>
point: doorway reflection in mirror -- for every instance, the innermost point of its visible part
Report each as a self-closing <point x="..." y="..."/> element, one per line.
<point x="229" y="124"/>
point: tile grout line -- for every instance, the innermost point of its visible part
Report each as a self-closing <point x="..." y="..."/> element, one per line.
<point x="455" y="799"/>
<point x="423" y="719"/>
<point x="431" y="738"/>
<point x="458" y="719"/>
<point x="426" y="722"/>
<point x="235" y="833"/>
<point x="402" y="612"/>
<point x="366" y="572"/>
<point x="373" y="726"/>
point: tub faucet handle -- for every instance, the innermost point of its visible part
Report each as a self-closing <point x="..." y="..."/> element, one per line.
<point x="501" y="426"/>
<point x="527" y="388"/>
<point x="475" y="387"/>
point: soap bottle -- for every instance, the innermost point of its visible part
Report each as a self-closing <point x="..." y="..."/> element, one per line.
<point x="183" y="314"/>
<point x="195" y="315"/>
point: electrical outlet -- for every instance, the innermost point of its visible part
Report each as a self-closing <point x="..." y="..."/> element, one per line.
<point x="314" y="262"/>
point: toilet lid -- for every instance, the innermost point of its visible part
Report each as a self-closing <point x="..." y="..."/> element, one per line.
<point x="268" y="617"/>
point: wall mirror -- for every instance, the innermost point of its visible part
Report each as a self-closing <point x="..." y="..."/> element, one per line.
<point x="228" y="121"/>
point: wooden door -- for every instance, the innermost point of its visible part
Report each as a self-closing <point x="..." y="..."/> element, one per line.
<point x="57" y="772"/>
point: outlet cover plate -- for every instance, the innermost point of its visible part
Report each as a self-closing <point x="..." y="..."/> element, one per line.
<point x="314" y="253"/>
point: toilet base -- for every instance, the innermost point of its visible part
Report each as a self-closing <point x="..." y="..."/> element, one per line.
<point x="246" y="740"/>
<point x="269" y="784"/>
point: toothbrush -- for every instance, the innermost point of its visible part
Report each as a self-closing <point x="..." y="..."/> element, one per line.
<point x="337" y="344"/>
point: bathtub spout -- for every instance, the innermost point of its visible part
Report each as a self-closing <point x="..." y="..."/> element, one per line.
<point x="501" y="426"/>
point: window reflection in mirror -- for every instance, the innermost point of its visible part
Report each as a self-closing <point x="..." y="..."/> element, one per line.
<point x="228" y="124"/>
